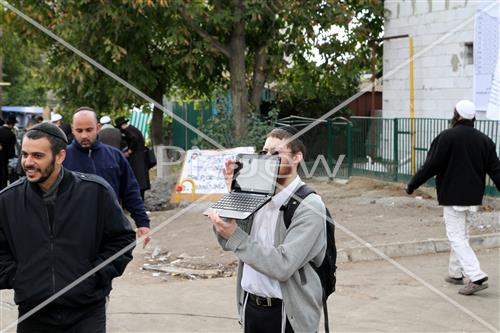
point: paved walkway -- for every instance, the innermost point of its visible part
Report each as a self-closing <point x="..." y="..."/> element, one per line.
<point x="371" y="296"/>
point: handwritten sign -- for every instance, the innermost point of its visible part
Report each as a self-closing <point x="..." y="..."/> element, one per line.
<point x="493" y="111"/>
<point x="202" y="173"/>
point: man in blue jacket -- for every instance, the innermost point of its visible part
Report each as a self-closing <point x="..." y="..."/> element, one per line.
<point x="87" y="154"/>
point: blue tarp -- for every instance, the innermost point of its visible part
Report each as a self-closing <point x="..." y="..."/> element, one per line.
<point x="23" y="109"/>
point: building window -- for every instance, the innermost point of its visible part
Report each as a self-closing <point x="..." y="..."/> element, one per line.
<point x="469" y="53"/>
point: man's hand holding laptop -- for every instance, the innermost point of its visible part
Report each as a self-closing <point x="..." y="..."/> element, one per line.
<point x="226" y="227"/>
<point x="228" y="171"/>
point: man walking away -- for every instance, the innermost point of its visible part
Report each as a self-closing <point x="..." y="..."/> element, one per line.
<point x="110" y="135"/>
<point x="460" y="158"/>
<point x="135" y="152"/>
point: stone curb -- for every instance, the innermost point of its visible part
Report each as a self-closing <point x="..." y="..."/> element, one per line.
<point x="430" y="246"/>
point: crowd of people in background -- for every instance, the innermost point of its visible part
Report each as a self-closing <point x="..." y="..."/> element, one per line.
<point x="123" y="136"/>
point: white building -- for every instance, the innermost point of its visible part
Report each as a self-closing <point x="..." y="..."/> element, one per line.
<point x="443" y="40"/>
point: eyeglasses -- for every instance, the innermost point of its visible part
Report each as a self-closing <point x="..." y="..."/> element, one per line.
<point x="273" y="152"/>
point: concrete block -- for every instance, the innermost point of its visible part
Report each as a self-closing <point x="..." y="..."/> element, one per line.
<point x="426" y="104"/>
<point x="442" y="245"/>
<point x="422" y="7"/>
<point x="362" y="254"/>
<point x="429" y="246"/>
<point x="427" y="62"/>
<point x="425" y="40"/>
<point x="391" y="6"/>
<point x="405" y="9"/>
<point x="429" y="18"/>
<point x="445" y="105"/>
<point x="463" y="35"/>
<point x="409" y="249"/>
<point x="438" y="6"/>
<point x="469" y="72"/>
<point x="464" y="82"/>
<point x="486" y="241"/>
<point x="460" y="13"/>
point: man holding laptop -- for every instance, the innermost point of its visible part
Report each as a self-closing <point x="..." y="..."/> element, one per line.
<point x="274" y="294"/>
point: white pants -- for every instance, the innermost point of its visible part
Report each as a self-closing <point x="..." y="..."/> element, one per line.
<point x="463" y="260"/>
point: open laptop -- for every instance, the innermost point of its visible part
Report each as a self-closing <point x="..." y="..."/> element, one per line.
<point x="254" y="184"/>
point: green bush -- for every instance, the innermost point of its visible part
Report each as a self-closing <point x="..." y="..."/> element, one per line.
<point x="220" y="128"/>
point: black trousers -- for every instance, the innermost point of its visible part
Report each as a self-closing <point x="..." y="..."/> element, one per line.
<point x="264" y="319"/>
<point x="65" y="320"/>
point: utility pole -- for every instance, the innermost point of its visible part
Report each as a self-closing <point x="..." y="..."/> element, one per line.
<point x="412" y="97"/>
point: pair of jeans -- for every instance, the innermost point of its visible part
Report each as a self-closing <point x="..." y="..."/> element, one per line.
<point x="65" y="320"/>
<point x="463" y="260"/>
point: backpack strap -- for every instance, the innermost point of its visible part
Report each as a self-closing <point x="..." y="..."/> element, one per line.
<point x="290" y="207"/>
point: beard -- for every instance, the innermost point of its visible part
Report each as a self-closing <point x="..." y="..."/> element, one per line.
<point x="284" y="172"/>
<point x="86" y="143"/>
<point x="455" y="119"/>
<point x="45" y="173"/>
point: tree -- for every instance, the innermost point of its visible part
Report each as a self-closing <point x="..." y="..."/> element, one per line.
<point x="256" y="38"/>
<point x="188" y="48"/>
<point x="139" y="43"/>
<point x="20" y="58"/>
<point x="329" y="73"/>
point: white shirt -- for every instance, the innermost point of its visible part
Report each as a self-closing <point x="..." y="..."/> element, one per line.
<point x="464" y="208"/>
<point x="263" y="229"/>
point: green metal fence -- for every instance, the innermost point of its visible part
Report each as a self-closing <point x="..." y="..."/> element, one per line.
<point x="378" y="147"/>
<point x="194" y="113"/>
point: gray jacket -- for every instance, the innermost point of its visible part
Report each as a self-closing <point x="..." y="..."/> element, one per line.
<point x="303" y="242"/>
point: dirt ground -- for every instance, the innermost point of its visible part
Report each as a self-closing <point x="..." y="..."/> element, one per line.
<point x="374" y="211"/>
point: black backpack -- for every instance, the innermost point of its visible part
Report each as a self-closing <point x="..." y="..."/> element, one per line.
<point x="326" y="271"/>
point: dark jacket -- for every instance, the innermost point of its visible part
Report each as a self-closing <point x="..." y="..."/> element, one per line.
<point x="137" y="159"/>
<point x="39" y="257"/>
<point x="460" y="158"/>
<point x="111" y="136"/>
<point x="66" y="128"/>
<point x="7" y="151"/>
<point x="110" y="164"/>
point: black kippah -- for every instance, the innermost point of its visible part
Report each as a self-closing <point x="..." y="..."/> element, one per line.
<point x="51" y="130"/>
<point x="290" y="129"/>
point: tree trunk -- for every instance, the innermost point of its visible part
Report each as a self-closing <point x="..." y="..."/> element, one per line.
<point x="237" y="69"/>
<point x="157" y="121"/>
<point x="259" y="78"/>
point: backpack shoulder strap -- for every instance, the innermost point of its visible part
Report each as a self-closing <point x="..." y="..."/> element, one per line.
<point x="290" y="207"/>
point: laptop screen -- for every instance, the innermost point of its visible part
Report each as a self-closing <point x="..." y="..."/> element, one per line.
<point x="258" y="173"/>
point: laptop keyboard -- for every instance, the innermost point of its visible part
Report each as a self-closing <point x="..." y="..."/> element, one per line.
<point x="239" y="201"/>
